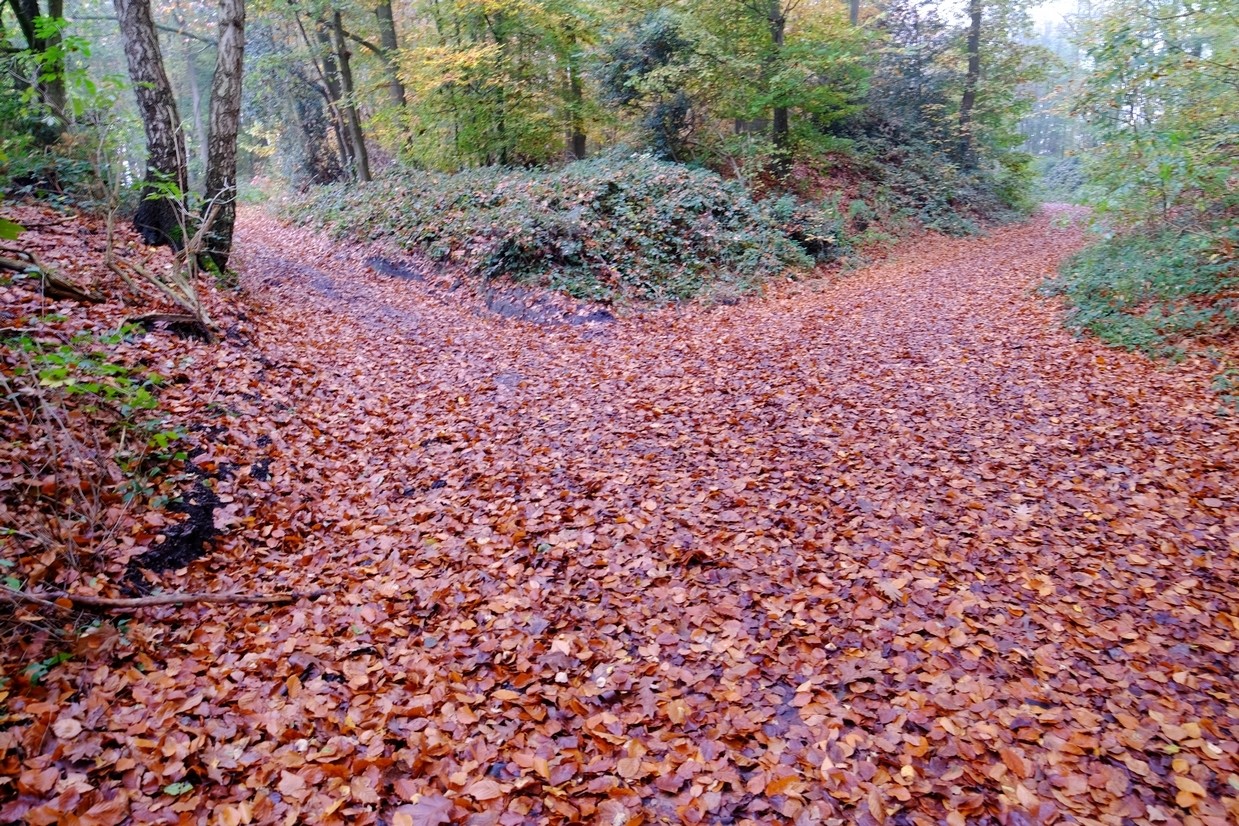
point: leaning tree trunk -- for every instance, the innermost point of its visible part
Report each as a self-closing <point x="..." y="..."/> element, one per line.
<point x="221" y="173"/>
<point x="330" y="76"/>
<point x="967" y="146"/>
<point x="159" y="218"/>
<point x="361" y="158"/>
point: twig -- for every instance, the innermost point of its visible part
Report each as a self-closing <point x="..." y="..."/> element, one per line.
<point x="129" y="282"/>
<point x="125" y="604"/>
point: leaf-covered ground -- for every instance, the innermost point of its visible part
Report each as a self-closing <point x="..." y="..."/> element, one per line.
<point x="896" y="549"/>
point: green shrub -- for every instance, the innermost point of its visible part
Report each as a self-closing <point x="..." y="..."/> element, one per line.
<point x="1150" y="291"/>
<point x="1060" y="179"/>
<point x="818" y="228"/>
<point x="916" y="181"/>
<point x="610" y="228"/>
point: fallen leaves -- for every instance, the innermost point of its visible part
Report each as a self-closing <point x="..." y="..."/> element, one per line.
<point x="895" y="551"/>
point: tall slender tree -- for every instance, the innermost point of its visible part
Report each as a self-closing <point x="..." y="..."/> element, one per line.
<point x="221" y="172"/>
<point x="348" y="98"/>
<point x="160" y="214"/>
<point x="390" y="46"/>
<point x="967" y="155"/>
<point x="44" y="43"/>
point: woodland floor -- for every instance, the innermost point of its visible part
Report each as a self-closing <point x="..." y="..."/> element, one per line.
<point x="893" y="548"/>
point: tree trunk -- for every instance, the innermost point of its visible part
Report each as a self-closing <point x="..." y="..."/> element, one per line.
<point x="854" y="12"/>
<point x="221" y="172"/>
<point x="967" y="148"/>
<point x="357" y="138"/>
<point x="387" y="38"/>
<point x="51" y="91"/>
<point x="780" y="126"/>
<point x="158" y="219"/>
<point x="330" y="75"/>
<point x="576" y="97"/>
<point x="53" y="88"/>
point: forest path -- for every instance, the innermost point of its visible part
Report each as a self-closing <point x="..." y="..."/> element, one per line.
<point x="881" y="549"/>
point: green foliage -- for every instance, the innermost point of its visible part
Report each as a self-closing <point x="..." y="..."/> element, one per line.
<point x="650" y="69"/>
<point x="1161" y="101"/>
<point x="82" y="373"/>
<point x="1226" y="385"/>
<point x="819" y="228"/>
<point x="493" y="81"/>
<point x="37" y="672"/>
<point x="1059" y="179"/>
<point x="1150" y="292"/>
<point x="52" y="154"/>
<point x="612" y="228"/>
<point x="915" y="181"/>
<point x="9" y="231"/>
<point x="910" y="126"/>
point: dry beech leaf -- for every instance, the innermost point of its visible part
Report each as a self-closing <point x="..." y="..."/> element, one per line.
<point x="66" y="728"/>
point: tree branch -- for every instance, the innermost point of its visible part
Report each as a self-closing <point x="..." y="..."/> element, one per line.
<point x="163" y="27"/>
<point x="361" y="41"/>
<point x="52" y="599"/>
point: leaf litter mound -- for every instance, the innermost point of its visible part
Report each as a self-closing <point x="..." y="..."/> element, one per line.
<point x="892" y="550"/>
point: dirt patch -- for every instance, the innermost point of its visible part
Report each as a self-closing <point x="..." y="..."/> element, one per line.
<point x="183" y="542"/>
<point x="395" y="269"/>
<point x="539" y="307"/>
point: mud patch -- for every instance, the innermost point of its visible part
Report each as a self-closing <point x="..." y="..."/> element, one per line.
<point x="183" y="542"/>
<point x="395" y="269"/>
<point x="523" y="304"/>
<point x="181" y="326"/>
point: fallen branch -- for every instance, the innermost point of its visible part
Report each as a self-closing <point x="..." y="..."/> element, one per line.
<point x="133" y="286"/>
<point x="53" y="599"/>
<point x="179" y="290"/>
<point x="54" y="285"/>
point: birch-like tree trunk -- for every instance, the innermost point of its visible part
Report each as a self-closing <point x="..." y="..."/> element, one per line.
<point x="159" y="219"/>
<point x="225" y="115"/>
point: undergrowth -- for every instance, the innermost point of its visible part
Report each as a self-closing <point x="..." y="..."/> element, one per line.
<point x="1153" y="292"/>
<point x="88" y="440"/>
<point x="619" y="228"/>
<point x="911" y="181"/>
<point x="611" y="228"/>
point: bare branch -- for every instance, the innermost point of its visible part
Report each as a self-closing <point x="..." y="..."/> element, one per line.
<point x="52" y="599"/>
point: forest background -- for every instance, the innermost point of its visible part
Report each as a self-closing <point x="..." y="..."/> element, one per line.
<point x="848" y="122"/>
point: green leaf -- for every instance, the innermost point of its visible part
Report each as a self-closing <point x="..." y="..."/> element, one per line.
<point x="9" y="230"/>
<point x="175" y="789"/>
